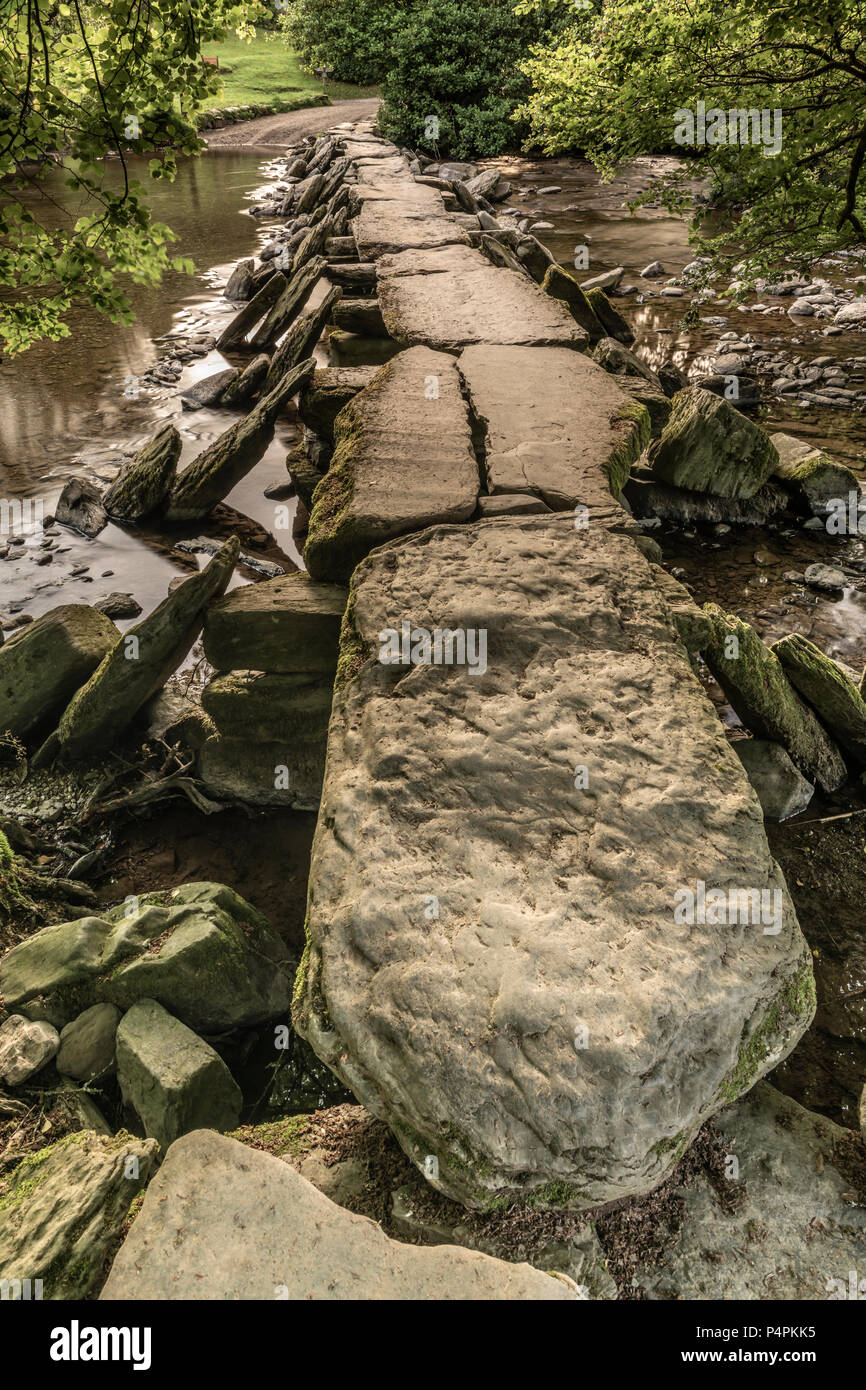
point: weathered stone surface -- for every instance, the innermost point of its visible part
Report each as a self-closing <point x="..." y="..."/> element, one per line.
<point x="708" y="446"/>
<point x="210" y="390"/>
<point x="782" y="791"/>
<point x="286" y="625"/>
<point x="824" y="685"/>
<point x="403" y="460"/>
<point x="44" y="663"/>
<point x="792" y="1230"/>
<point x="399" y="215"/>
<point x="295" y="352"/>
<point x="240" y="283"/>
<point x="611" y="321"/>
<point x="144" y="484"/>
<point x="330" y="389"/>
<point x="281" y="773"/>
<point x="87" y="1044"/>
<point x="453" y="297"/>
<point x="213" y="474"/>
<point x="221" y="1221"/>
<point x="560" y="285"/>
<point x="556" y="424"/>
<point x="200" y="950"/>
<point x="63" y="1209"/>
<point x="234" y="333"/>
<point x="138" y="665"/>
<point x="758" y="688"/>
<point x="360" y="316"/>
<point x="265" y="706"/>
<point x="555" y="905"/>
<point x="242" y="391"/>
<point x="290" y="303"/>
<point x="813" y="473"/>
<point x="692" y="623"/>
<point x="25" y="1048"/>
<point x="171" y="1078"/>
<point x="80" y="507"/>
<point x="511" y="504"/>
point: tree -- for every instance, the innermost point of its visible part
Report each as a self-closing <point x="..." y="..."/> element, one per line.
<point x="625" y="76"/>
<point x="355" y="38"/>
<point x="84" y="84"/>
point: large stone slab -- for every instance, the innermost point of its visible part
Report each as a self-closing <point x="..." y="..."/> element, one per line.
<point x="453" y="297"/>
<point x="556" y="424"/>
<point x="403" y="460"/>
<point x="222" y="1221"/>
<point x="286" y="625"/>
<point x="200" y="950"/>
<point x="399" y="215"/>
<point x="787" y="1226"/>
<point x="63" y="1209"/>
<point x="497" y="960"/>
<point x="44" y="663"/>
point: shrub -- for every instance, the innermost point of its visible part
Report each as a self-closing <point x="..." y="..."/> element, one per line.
<point x="354" y="37"/>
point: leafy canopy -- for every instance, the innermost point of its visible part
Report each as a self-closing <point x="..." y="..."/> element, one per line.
<point x="80" y="81"/>
<point x="612" y="81"/>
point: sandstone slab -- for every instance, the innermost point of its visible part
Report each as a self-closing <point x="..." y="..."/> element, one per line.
<point x="403" y="460"/>
<point x="496" y="966"/>
<point x="221" y="1221"/>
<point x="450" y="298"/>
<point x="284" y="625"/>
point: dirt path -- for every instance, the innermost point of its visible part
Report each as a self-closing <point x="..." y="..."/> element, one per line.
<point x="279" y="131"/>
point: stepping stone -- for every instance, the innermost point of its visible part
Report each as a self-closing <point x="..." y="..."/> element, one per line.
<point x="501" y="963"/>
<point x="450" y="298"/>
<point x="403" y="460"/>
<point x="226" y="1222"/>
<point x="285" y="625"/>
<point x="412" y="215"/>
<point x="557" y="424"/>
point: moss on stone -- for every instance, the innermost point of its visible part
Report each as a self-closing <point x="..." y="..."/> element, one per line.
<point x="634" y="435"/>
<point x="795" y="1001"/>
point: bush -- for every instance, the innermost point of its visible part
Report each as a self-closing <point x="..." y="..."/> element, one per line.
<point x="354" y="37"/>
<point x="458" y="60"/>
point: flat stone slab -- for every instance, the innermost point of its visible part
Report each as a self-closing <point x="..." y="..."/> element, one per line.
<point x="452" y="297"/>
<point x="286" y="624"/>
<point x="793" y="1229"/>
<point x="222" y="1221"/>
<point x="398" y="214"/>
<point x="499" y="959"/>
<point x="403" y="460"/>
<point x="557" y="425"/>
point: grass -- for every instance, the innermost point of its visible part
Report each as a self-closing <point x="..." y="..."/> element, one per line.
<point x="267" y="70"/>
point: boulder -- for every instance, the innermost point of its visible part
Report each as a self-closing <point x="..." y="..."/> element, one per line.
<point x="284" y="774"/>
<point x="265" y="706"/>
<point x="555" y="424"/>
<point x="484" y="185"/>
<point x="222" y="1221"/>
<point x="240" y="282"/>
<point x="649" y="498"/>
<point x="247" y="385"/>
<point x="118" y="605"/>
<point x="534" y="257"/>
<point x="209" y="390"/>
<point x="87" y="1044"/>
<point x="171" y="1078"/>
<point x="827" y="578"/>
<point x="25" y="1048"/>
<point x="708" y="446"/>
<point x="213" y="474"/>
<point x="362" y="316"/>
<point x="782" y="791"/>
<point x="756" y="684"/>
<point x="824" y="685"/>
<point x="374" y="488"/>
<point x="813" y="474"/>
<point x="80" y="507"/>
<point x="200" y="950"/>
<point x="144" y="484"/>
<point x="284" y="625"/>
<point x="43" y="664"/>
<point x="295" y="352"/>
<point x="853" y="313"/>
<point x="64" y="1208"/>
<point x="330" y="389"/>
<point x="138" y="665"/>
<point x="485" y="991"/>
<point x="450" y="298"/>
<point x="607" y="281"/>
<point x="558" y="283"/>
<point x="612" y="322"/>
<point x="785" y="1227"/>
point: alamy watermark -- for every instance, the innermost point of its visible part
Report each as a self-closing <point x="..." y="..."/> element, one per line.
<point x="443" y="646"/>
<point x="738" y="126"/>
<point x="21" y="516"/>
<point x="729" y="907"/>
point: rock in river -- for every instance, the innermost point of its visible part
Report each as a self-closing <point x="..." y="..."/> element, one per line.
<point x="708" y="446"/>
<point x="502" y="962"/>
<point x="144" y="484"/>
<point x="43" y="664"/>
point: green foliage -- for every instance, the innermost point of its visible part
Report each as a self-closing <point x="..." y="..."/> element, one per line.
<point x="354" y="37"/>
<point x="80" y="81"/>
<point x="459" y="60"/>
<point x="611" y="82"/>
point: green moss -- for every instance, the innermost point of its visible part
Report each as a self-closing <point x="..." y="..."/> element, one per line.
<point x="354" y="651"/>
<point x="795" y="1001"/>
<point x="635" y="434"/>
<point x="278" y="1137"/>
